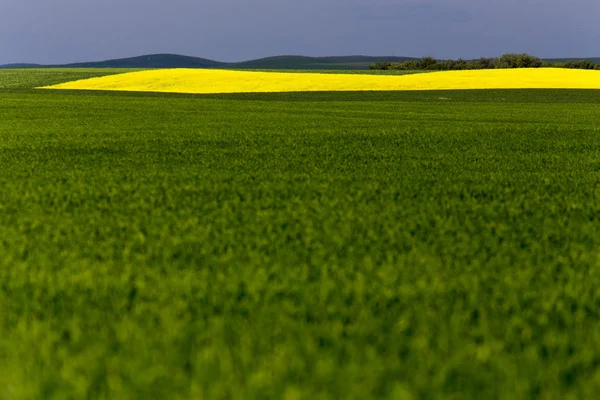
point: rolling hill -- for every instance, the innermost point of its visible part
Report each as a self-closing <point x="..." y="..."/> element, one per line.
<point x="151" y="61"/>
<point x="179" y="61"/>
<point x="303" y="62"/>
<point x="20" y="65"/>
<point x="277" y="62"/>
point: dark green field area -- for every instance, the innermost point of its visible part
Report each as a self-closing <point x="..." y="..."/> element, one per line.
<point x="23" y="78"/>
<point x="434" y="245"/>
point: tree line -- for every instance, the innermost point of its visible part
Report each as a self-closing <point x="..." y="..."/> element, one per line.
<point x="504" y="61"/>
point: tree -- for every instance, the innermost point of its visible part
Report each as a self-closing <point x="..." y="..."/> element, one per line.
<point x="518" y="61"/>
<point x="427" y="63"/>
<point x="486" y="63"/>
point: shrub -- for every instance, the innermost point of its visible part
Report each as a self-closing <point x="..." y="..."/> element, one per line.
<point x="382" y="65"/>
<point x="405" y="66"/>
<point x="579" y="64"/>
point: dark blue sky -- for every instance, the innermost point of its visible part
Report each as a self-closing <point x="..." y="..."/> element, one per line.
<point x="61" y="31"/>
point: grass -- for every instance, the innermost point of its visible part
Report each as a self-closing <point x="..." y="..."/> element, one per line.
<point x="329" y="245"/>
<point x="28" y="78"/>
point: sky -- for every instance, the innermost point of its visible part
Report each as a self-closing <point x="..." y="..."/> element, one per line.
<point x="63" y="31"/>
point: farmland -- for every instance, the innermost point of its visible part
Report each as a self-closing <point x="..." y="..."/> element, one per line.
<point x="202" y="81"/>
<point x="401" y="245"/>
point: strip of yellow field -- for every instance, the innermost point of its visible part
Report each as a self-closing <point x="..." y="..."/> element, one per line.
<point x="225" y="81"/>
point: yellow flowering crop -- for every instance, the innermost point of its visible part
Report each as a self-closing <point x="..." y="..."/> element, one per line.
<point x="225" y="81"/>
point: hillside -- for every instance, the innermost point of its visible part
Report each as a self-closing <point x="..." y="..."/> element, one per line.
<point x="151" y="61"/>
<point x="179" y="61"/>
<point x="276" y="62"/>
<point x="20" y="65"/>
<point x="303" y="62"/>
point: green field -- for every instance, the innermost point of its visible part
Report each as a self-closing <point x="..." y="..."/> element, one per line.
<point x="27" y="79"/>
<point x="396" y="245"/>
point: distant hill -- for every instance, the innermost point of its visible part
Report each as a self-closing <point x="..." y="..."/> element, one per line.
<point x="179" y="61"/>
<point x="277" y="62"/>
<point x="150" y="61"/>
<point x="20" y="65"/>
<point x="303" y="62"/>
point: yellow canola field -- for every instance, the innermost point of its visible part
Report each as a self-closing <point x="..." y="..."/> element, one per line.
<point x="226" y="81"/>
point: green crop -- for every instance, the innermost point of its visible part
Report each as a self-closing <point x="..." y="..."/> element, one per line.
<point x="30" y="78"/>
<point x="437" y="245"/>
